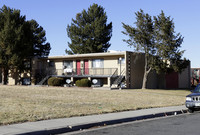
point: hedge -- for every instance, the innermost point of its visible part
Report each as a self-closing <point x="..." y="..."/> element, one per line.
<point x="55" y="81"/>
<point x="83" y="83"/>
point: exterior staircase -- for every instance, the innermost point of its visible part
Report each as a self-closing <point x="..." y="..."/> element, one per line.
<point x="43" y="81"/>
<point x="117" y="81"/>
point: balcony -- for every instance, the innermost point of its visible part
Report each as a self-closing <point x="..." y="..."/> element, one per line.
<point x="78" y="72"/>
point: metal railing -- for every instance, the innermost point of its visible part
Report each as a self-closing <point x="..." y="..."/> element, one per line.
<point x="78" y="71"/>
<point x="120" y="78"/>
<point x="94" y="71"/>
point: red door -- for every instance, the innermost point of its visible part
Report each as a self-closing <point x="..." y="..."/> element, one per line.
<point x="172" y="80"/>
<point x="86" y="69"/>
<point x="78" y="67"/>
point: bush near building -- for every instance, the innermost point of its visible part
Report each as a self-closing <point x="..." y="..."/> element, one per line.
<point x="55" y="81"/>
<point x="83" y="83"/>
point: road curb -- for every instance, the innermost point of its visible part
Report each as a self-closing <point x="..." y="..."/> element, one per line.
<point x="60" y="130"/>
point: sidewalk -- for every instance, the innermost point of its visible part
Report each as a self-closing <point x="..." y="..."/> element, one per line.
<point x="64" y="125"/>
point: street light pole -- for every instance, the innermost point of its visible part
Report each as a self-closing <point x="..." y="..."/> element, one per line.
<point x="48" y="61"/>
<point x="120" y="59"/>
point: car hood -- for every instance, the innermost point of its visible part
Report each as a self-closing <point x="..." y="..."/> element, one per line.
<point x="193" y="94"/>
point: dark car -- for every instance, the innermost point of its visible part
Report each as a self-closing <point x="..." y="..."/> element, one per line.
<point x="193" y="100"/>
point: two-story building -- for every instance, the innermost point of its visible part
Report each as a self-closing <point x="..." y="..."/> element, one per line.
<point x="110" y="69"/>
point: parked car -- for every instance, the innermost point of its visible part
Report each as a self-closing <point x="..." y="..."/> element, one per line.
<point x="193" y="100"/>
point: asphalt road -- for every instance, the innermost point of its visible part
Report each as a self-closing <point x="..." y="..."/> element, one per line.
<point x="186" y="124"/>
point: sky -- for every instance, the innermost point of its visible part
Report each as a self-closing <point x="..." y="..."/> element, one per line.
<point x="55" y="15"/>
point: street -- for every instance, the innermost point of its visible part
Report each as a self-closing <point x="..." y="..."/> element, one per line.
<point x="176" y="125"/>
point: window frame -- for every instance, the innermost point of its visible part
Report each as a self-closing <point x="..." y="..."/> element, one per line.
<point x="68" y="65"/>
<point x="101" y="63"/>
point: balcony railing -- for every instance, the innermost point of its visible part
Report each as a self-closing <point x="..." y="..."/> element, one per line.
<point x="78" y="72"/>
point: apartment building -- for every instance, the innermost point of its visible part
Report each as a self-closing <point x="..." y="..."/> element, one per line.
<point x="110" y="69"/>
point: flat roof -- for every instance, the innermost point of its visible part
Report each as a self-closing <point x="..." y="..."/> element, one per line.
<point x="90" y="55"/>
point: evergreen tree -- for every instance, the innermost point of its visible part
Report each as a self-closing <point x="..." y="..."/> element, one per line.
<point x="89" y="32"/>
<point x="19" y="41"/>
<point x="168" y="44"/>
<point x="158" y="41"/>
<point x="12" y="26"/>
<point x="40" y="47"/>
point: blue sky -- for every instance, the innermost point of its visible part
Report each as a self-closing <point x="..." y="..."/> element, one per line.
<point x="55" y="15"/>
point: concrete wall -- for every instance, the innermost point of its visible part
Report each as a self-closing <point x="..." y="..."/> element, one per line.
<point x="152" y="81"/>
<point x="112" y="62"/>
<point x="58" y="67"/>
<point x="135" y="72"/>
<point x="184" y="78"/>
<point x="161" y="82"/>
<point x="135" y="68"/>
<point x="58" y="64"/>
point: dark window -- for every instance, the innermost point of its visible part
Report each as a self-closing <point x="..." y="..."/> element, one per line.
<point x="51" y="64"/>
<point x="68" y="64"/>
<point x="27" y="64"/>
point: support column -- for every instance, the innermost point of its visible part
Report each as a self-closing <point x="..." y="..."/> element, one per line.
<point x="109" y="81"/>
<point x="72" y="79"/>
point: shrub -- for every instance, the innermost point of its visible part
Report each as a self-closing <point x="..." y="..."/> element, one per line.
<point x="83" y="83"/>
<point x="55" y="81"/>
<point x="78" y="83"/>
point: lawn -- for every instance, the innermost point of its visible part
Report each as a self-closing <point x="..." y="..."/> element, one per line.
<point x="29" y="103"/>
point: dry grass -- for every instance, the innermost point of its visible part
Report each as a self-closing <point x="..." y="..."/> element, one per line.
<point x="21" y="103"/>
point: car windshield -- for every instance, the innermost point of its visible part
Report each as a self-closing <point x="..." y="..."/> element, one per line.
<point x="197" y="89"/>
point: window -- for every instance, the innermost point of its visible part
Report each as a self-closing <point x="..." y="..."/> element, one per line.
<point x="27" y="64"/>
<point x="51" y="64"/>
<point x="122" y="61"/>
<point x="97" y="63"/>
<point x="26" y="81"/>
<point x="68" y="64"/>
